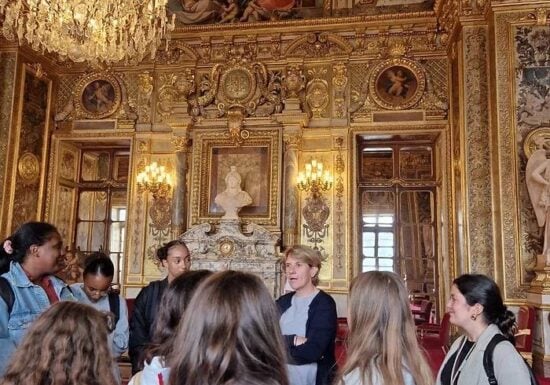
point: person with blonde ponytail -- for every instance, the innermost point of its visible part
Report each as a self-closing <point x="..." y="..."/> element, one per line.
<point x="475" y="306"/>
<point x="382" y="345"/>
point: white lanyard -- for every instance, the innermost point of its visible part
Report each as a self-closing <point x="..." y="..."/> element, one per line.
<point x="454" y="371"/>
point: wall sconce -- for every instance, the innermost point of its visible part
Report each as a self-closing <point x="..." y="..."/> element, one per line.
<point x="156" y="180"/>
<point x="314" y="178"/>
<point x="316" y="210"/>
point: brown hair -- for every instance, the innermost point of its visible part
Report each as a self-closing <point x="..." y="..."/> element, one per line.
<point x="232" y="336"/>
<point x="305" y="255"/>
<point x="172" y="306"/>
<point x="66" y="345"/>
<point x="382" y="336"/>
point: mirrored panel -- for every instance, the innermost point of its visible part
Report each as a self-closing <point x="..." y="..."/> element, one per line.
<point x="417" y="240"/>
<point x="92" y="205"/>
<point x="377" y="163"/>
<point x="416" y="163"/>
<point x="95" y="166"/>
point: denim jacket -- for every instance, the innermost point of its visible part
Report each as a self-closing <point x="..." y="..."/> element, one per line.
<point x="30" y="301"/>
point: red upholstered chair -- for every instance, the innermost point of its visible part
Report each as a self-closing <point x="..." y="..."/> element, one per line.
<point x="422" y="315"/>
<point x="435" y="336"/>
<point x="340" y="344"/>
<point x="524" y="334"/>
<point x="130" y="305"/>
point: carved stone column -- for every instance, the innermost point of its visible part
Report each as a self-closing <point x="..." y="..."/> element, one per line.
<point x="179" y="200"/>
<point x="290" y="198"/>
<point x="477" y="164"/>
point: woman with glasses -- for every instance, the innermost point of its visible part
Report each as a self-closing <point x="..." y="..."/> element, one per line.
<point x="95" y="290"/>
<point x="308" y="320"/>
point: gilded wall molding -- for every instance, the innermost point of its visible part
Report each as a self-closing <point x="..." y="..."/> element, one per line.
<point x="477" y="149"/>
<point x="318" y="45"/>
<point x="7" y="85"/>
<point x="508" y="156"/>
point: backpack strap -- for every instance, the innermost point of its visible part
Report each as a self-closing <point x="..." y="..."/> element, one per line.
<point x="488" y="357"/>
<point x="6" y="292"/>
<point x="114" y="305"/>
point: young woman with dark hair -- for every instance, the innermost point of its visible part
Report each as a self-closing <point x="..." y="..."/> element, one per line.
<point x="382" y="345"/>
<point x="174" y="257"/>
<point x="28" y="260"/>
<point x="230" y="337"/>
<point x="174" y="302"/>
<point x="475" y="306"/>
<point x="95" y="290"/>
<point x="67" y="345"/>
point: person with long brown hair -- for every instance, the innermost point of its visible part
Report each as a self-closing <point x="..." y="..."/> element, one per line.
<point x="175" y="301"/>
<point x="67" y="345"/>
<point x="231" y="336"/>
<point x="382" y="345"/>
<point x="174" y="257"/>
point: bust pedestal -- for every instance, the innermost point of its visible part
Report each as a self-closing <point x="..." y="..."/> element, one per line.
<point x="232" y="245"/>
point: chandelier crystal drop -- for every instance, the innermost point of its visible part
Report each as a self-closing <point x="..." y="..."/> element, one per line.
<point x="93" y="31"/>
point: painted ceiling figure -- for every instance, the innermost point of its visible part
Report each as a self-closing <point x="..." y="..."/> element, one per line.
<point x="198" y="11"/>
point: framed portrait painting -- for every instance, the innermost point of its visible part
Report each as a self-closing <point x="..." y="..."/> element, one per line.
<point x="397" y="83"/>
<point x="256" y="162"/>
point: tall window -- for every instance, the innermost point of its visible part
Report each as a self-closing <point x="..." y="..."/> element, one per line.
<point x="397" y="188"/>
<point x="102" y="206"/>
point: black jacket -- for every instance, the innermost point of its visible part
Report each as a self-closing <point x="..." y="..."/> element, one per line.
<point x="142" y="320"/>
<point x="320" y="333"/>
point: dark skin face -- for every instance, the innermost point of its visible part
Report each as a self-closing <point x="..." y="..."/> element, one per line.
<point x="44" y="259"/>
<point x="96" y="286"/>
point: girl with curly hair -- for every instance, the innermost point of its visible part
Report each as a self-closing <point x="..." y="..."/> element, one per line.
<point x="67" y="345"/>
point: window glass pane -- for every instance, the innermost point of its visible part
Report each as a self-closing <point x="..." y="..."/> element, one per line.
<point x="389" y="268"/>
<point x="369" y="219"/>
<point x="385" y="239"/>
<point x="385" y="252"/>
<point x="368" y="239"/>
<point x="369" y="264"/>
<point x="385" y="220"/>
<point x="368" y="251"/>
<point x="117" y="234"/>
<point x="385" y="262"/>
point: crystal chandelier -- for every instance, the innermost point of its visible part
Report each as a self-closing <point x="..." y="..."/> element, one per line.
<point x="94" y="31"/>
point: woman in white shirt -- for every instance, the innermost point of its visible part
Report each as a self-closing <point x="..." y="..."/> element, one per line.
<point x="382" y="345"/>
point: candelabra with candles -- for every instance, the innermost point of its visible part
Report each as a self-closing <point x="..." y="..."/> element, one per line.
<point x="316" y="211"/>
<point x="315" y="179"/>
<point x="156" y="180"/>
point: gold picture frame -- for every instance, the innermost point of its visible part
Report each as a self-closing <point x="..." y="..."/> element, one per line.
<point x="397" y="84"/>
<point x="97" y="96"/>
<point x="257" y="161"/>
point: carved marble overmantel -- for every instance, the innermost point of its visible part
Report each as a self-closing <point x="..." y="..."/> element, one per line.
<point x="232" y="245"/>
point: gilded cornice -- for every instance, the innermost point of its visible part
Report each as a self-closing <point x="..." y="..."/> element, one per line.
<point x="309" y="25"/>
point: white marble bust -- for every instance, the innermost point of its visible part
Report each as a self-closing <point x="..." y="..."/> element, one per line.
<point x="233" y="198"/>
